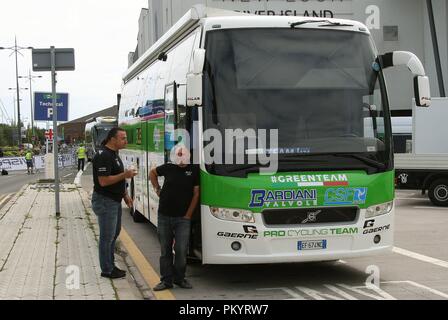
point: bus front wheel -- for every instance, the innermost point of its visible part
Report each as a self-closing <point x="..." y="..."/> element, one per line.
<point x="438" y="192"/>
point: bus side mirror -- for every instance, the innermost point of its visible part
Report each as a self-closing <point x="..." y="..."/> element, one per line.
<point x="194" y="79"/>
<point x="194" y="90"/>
<point x="422" y="91"/>
<point x="413" y="63"/>
<point x="198" y="61"/>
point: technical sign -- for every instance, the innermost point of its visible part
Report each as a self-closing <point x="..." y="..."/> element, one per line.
<point x="43" y="106"/>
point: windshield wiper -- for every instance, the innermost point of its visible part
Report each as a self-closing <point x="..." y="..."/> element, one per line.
<point x="243" y="167"/>
<point x="368" y="161"/>
<point x="250" y="167"/>
<point x="330" y="23"/>
<point x="295" y="24"/>
<point x="336" y="24"/>
<point x="296" y="158"/>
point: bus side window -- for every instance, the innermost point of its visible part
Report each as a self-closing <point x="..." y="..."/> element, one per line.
<point x="170" y="103"/>
<point x="181" y="109"/>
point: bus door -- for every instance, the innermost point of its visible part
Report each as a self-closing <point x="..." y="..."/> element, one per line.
<point x="180" y="118"/>
<point x="175" y="117"/>
<point x="139" y="160"/>
<point x="170" y="105"/>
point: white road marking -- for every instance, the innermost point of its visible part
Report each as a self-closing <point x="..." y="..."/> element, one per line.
<point x="418" y="285"/>
<point x="317" y="294"/>
<point x="431" y="208"/>
<point x="5" y="198"/>
<point x="340" y="292"/>
<point x="421" y="257"/>
<point x="397" y="194"/>
<point x="68" y="175"/>
<point x="382" y="295"/>
<point x="77" y="181"/>
<point x="294" y="295"/>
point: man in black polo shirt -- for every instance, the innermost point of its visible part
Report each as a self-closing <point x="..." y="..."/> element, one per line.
<point x="110" y="188"/>
<point x="178" y="200"/>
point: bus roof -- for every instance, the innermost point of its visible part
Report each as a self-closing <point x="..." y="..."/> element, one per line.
<point x="230" y="19"/>
<point x="103" y="120"/>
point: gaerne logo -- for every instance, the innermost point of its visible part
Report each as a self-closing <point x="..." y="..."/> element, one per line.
<point x="250" y="229"/>
<point x="369" y="224"/>
<point x="376" y="230"/>
<point x="236" y="235"/>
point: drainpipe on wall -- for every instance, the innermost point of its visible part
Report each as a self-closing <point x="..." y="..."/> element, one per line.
<point x="435" y="44"/>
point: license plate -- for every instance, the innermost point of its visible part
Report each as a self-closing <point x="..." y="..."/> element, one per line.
<point x="312" y="245"/>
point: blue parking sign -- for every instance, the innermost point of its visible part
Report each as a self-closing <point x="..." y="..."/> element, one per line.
<point x="43" y="106"/>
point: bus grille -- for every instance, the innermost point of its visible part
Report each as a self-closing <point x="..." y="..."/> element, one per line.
<point x="310" y="216"/>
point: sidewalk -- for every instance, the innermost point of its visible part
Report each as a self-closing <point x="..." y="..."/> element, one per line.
<point x="47" y="258"/>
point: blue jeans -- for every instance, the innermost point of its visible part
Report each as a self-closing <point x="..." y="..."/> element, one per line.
<point x="173" y="231"/>
<point x="109" y="213"/>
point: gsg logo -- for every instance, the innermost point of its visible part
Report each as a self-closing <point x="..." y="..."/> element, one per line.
<point x="346" y="196"/>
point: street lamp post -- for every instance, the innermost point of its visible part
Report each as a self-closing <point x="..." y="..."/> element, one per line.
<point x="16" y="49"/>
<point x="18" y="113"/>
<point x="14" y="123"/>
<point x="30" y="78"/>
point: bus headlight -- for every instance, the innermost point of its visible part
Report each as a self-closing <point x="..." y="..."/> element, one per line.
<point x="236" y="215"/>
<point x="379" y="210"/>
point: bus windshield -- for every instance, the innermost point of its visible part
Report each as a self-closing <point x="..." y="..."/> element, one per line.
<point x="323" y="91"/>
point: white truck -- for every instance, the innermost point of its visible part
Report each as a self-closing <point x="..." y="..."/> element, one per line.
<point x="426" y="167"/>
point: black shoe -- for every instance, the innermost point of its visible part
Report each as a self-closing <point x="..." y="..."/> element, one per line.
<point x="115" y="274"/>
<point x="184" y="284"/>
<point x="162" y="286"/>
<point x="118" y="269"/>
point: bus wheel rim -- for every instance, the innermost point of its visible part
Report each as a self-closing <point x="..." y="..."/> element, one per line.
<point x="441" y="193"/>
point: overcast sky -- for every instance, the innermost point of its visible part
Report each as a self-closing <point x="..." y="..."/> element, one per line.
<point x="102" y="32"/>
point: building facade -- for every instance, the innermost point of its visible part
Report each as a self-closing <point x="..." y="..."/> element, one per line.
<point x="408" y="25"/>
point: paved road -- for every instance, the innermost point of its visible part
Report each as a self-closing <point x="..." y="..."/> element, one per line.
<point x="416" y="269"/>
<point x="16" y="180"/>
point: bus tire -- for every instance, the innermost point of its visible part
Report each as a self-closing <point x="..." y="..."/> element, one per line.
<point x="438" y="192"/>
<point x="137" y="216"/>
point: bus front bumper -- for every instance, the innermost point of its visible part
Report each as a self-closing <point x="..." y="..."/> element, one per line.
<point x="227" y="242"/>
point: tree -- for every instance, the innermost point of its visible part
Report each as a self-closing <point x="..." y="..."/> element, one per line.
<point x="6" y="135"/>
<point x="2" y="138"/>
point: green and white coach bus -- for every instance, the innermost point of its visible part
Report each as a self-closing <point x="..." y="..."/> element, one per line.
<point x="288" y="119"/>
